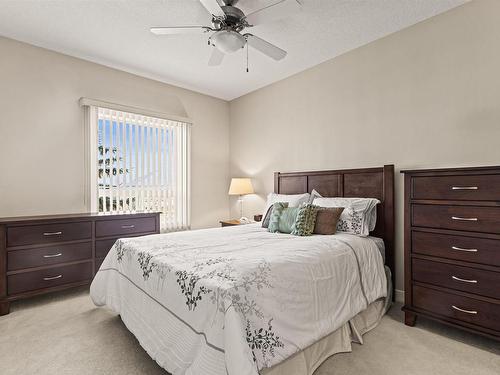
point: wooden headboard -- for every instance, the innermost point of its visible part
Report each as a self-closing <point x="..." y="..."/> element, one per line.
<point x="363" y="183"/>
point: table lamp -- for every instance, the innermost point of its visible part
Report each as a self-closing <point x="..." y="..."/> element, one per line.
<point x="241" y="187"/>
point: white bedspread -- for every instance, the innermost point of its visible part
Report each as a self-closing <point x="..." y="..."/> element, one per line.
<point x="236" y="299"/>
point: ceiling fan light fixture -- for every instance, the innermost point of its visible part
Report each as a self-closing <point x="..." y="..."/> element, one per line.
<point x="229" y="21"/>
<point x="228" y="41"/>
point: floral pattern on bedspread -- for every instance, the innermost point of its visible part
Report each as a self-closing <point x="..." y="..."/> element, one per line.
<point x="259" y="335"/>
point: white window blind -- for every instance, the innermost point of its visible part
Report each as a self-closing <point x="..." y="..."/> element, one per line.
<point x="142" y="164"/>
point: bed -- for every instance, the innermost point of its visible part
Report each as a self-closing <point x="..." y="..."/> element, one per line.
<point x="240" y="300"/>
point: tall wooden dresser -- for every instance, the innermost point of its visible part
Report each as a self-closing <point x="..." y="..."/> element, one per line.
<point x="452" y="247"/>
<point x="50" y="253"/>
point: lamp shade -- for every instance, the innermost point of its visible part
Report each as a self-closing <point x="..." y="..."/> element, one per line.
<point x="240" y="186"/>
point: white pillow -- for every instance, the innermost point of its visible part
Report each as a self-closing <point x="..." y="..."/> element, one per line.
<point x="314" y="195"/>
<point x="359" y="215"/>
<point x="293" y="200"/>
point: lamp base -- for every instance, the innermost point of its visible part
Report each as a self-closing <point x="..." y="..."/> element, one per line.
<point x="240" y="201"/>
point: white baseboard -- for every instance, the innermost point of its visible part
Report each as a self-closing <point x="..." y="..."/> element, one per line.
<point x="399" y="295"/>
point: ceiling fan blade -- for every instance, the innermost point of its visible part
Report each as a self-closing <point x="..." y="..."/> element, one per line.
<point x="179" y="30"/>
<point x="214" y="8"/>
<point x="216" y="57"/>
<point x="280" y="9"/>
<point x="266" y="48"/>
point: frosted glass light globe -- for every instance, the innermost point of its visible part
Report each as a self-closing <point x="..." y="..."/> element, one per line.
<point x="228" y="41"/>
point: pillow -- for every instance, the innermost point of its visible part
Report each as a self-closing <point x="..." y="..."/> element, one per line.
<point x="359" y="216"/>
<point x="293" y="200"/>
<point x="267" y="216"/>
<point x="283" y="218"/>
<point x="327" y="219"/>
<point x="306" y="219"/>
<point x="314" y="195"/>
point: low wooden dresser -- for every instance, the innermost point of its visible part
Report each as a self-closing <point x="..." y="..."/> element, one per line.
<point x="48" y="253"/>
<point x="452" y="247"/>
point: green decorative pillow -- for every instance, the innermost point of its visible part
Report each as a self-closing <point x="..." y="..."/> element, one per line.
<point x="306" y="220"/>
<point x="282" y="218"/>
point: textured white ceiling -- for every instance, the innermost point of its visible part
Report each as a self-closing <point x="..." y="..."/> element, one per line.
<point x="116" y="33"/>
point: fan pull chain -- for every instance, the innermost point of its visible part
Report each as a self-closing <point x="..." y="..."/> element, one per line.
<point x="247" y="57"/>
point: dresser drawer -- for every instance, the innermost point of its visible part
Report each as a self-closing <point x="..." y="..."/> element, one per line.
<point x="467" y="218"/>
<point x="467" y="249"/>
<point x="472" y="280"/>
<point x="125" y="226"/>
<point x="461" y="308"/>
<point x="47" y="233"/>
<point x="102" y="247"/>
<point x="472" y="187"/>
<point x="45" y="256"/>
<point x="49" y="277"/>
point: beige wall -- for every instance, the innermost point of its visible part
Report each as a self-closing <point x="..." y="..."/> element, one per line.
<point x="428" y="96"/>
<point x="41" y="131"/>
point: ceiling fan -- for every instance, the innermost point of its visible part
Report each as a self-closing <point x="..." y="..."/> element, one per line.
<point x="228" y="22"/>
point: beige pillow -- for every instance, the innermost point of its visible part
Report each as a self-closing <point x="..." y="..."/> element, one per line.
<point x="326" y="220"/>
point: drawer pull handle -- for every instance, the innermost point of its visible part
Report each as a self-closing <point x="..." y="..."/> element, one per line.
<point x="52" y="233"/>
<point x="52" y="255"/>
<point x="464" y="218"/>
<point x="464" y="311"/>
<point x="464" y="188"/>
<point x="462" y="249"/>
<point x="128" y="226"/>
<point x="464" y="280"/>
<point x="52" y="278"/>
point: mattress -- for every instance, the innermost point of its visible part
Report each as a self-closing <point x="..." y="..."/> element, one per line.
<point x="237" y="300"/>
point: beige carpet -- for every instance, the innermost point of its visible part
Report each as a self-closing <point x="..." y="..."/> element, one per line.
<point x="67" y="334"/>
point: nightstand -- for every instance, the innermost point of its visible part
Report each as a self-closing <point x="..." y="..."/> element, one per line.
<point x="229" y="223"/>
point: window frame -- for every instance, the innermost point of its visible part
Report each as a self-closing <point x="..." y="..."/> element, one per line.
<point x="91" y="142"/>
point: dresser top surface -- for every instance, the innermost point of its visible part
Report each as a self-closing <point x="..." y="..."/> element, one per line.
<point x="494" y="168"/>
<point x="75" y="216"/>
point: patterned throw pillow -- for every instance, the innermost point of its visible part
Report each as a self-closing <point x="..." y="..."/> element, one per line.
<point x="306" y="220"/>
<point x="282" y="218"/>
<point x="293" y="200"/>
